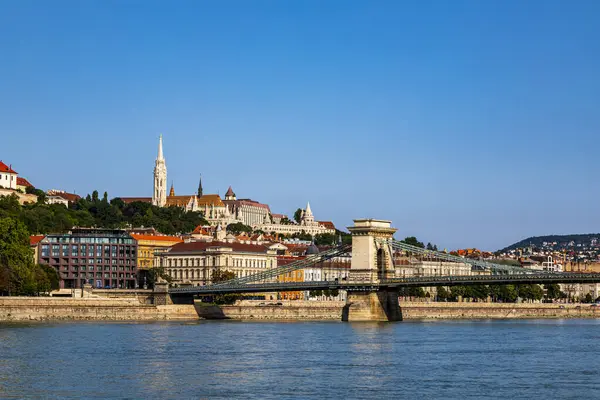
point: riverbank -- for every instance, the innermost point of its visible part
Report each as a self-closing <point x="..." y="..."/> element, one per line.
<point x="131" y="309"/>
<point x="89" y="309"/>
<point x="320" y="311"/>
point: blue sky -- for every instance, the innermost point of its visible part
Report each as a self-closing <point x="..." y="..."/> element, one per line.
<point x="466" y="123"/>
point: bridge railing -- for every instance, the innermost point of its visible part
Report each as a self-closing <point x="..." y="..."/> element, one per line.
<point x="493" y="267"/>
<point x="272" y="273"/>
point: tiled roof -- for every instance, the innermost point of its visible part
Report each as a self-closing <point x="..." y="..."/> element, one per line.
<point x="194" y="247"/>
<point x="230" y="192"/>
<point x="6" y="168"/>
<point x="135" y="199"/>
<point x="35" y="239"/>
<point x="210" y="199"/>
<point x="327" y="224"/>
<point x="161" y="238"/>
<point x="70" y="197"/>
<point x="23" y="182"/>
<point x="246" y="202"/>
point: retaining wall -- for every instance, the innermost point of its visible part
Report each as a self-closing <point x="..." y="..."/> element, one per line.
<point x="54" y="309"/>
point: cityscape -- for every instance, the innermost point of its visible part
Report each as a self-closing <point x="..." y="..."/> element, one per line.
<point x="297" y="200"/>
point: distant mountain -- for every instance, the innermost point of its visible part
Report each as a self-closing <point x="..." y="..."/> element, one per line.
<point x="562" y="241"/>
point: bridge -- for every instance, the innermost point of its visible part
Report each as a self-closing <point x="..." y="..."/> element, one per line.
<point x="372" y="286"/>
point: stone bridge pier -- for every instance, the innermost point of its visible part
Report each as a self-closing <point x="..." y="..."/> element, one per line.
<point x="371" y="263"/>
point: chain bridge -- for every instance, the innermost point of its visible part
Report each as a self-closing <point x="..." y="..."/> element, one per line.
<point x="371" y="285"/>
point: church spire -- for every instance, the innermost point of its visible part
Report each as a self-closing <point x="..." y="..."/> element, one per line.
<point x="160" y="151"/>
<point x="159" y="195"/>
<point x="172" y="191"/>
<point x="308" y="210"/>
<point x="200" y="187"/>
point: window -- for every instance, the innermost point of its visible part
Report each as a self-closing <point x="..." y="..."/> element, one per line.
<point x="65" y="250"/>
<point x="45" y="250"/>
<point x="74" y="250"/>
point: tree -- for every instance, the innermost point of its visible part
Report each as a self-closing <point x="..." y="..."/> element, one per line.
<point x="155" y="274"/>
<point x="238" y="228"/>
<point x="315" y="293"/>
<point x="298" y="215"/>
<point x="588" y="298"/>
<point x="442" y="293"/>
<point x="16" y="258"/>
<point x="553" y="291"/>
<point x="324" y="239"/>
<point x="95" y="196"/>
<point x="222" y="276"/>
<point x="285" y="221"/>
<point x="429" y="246"/>
<point x="411" y="240"/>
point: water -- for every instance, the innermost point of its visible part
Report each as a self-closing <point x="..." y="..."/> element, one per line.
<point x="417" y="360"/>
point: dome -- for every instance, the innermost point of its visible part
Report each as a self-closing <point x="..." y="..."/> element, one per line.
<point x="312" y="249"/>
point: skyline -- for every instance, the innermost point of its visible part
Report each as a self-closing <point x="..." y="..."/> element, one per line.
<point x="467" y="125"/>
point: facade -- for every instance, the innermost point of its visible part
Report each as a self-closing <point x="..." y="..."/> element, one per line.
<point x="8" y="176"/>
<point x="103" y="258"/>
<point x="54" y="196"/>
<point x="192" y="263"/>
<point x="147" y="246"/>
<point x="293" y="276"/>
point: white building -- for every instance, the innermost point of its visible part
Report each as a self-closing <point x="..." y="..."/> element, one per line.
<point x="8" y="177"/>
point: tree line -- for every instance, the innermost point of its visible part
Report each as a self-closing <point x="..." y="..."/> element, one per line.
<point x="41" y="218"/>
<point x="497" y="293"/>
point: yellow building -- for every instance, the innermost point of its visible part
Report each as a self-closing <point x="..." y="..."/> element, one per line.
<point x="294" y="276"/>
<point x="147" y="245"/>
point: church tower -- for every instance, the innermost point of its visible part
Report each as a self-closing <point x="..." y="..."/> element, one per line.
<point x="159" y="195"/>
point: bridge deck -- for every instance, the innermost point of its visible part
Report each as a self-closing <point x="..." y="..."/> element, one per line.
<point x="391" y="284"/>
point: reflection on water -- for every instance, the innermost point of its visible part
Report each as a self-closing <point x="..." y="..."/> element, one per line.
<point x="510" y="359"/>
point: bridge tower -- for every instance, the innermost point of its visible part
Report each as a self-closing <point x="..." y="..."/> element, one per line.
<point x="371" y="263"/>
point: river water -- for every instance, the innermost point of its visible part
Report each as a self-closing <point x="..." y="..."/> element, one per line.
<point x="518" y="359"/>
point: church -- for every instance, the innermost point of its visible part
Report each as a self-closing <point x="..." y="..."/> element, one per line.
<point x="226" y="211"/>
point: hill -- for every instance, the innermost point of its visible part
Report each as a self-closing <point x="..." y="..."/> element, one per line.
<point x="557" y="242"/>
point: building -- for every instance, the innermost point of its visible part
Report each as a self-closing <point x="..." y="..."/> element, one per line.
<point x="11" y="183"/>
<point x="8" y="176"/>
<point x="307" y="225"/>
<point x="147" y="246"/>
<point x="33" y="244"/>
<point x="192" y="263"/>
<point x="103" y="258"/>
<point x="23" y="184"/>
<point x="54" y="196"/>
<point x="293" y="276"/>
<point x="229" y="210"/>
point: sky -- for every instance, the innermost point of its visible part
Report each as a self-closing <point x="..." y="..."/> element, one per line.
<point x="465" y="123"/>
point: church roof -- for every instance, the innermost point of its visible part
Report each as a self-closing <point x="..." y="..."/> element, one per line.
<point x="210" y="199"/>
<point x="128" y="200"/>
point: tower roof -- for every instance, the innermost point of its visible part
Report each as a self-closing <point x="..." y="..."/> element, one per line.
<point x="308" y="210"/>
<point x="230" y="192"/>
<point x="172" y="191"/>
<point x="160" y="149"/>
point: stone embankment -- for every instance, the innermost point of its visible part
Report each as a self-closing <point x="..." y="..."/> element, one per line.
<point x="131" y="309"/>
<point x="313" y="310"/>
<point x="89" y="309"/>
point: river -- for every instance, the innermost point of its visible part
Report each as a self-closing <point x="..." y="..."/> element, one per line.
<point x="509" y="359"/>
